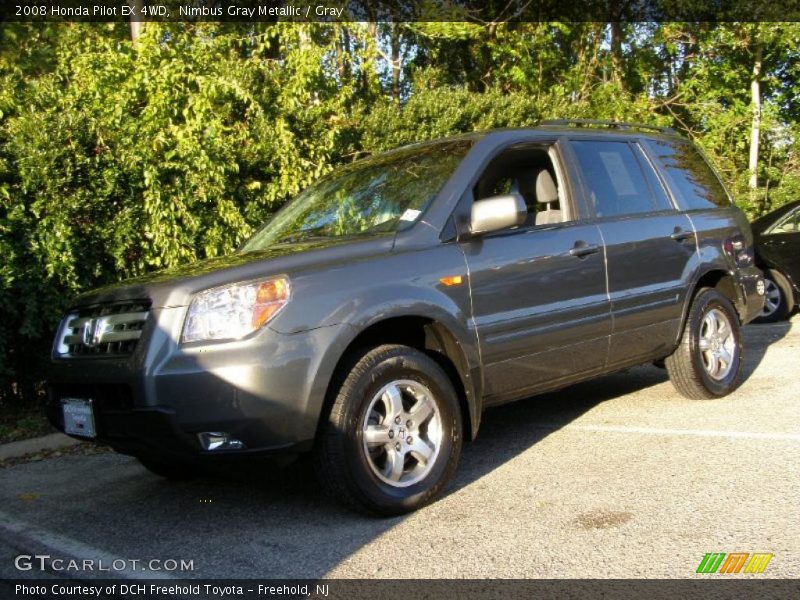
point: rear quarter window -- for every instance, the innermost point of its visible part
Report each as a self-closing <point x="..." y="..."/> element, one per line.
<point x="693" y="181"/>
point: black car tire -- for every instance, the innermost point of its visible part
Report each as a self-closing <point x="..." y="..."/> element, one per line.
<point x="775" y="280"/>
<point x="344" y="464"/>
<point x="174" y="471"/>
<point x="688" y="367"/>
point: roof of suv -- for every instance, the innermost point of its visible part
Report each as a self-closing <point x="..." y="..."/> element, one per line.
<point x="591" y="127"/>
<point x="586" y="127"/>
<point x="599" y="123"/>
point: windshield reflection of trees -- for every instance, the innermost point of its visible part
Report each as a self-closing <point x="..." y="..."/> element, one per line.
<point x="368" y="197"/>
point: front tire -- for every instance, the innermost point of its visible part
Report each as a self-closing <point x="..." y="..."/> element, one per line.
<point x="708" y="361"/>
<point x="393" y="438"/>
<point x="778" y="300"/>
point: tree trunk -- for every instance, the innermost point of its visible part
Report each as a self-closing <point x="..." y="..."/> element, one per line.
<point x="303" y="37"/>
<point x="344" y="55"/>
<point x="137" y="25"/>
<point x="368" y="71"/>
<point x="395" y="48"/>
<point x="616" y="54"/>
<point x="615" y="24"/>
<point x="755" y="128"/>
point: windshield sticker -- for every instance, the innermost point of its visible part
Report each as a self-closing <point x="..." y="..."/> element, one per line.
<point x="410" y="215"/>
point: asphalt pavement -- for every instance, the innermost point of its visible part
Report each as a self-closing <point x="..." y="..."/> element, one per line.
<point x="619" y="477"/>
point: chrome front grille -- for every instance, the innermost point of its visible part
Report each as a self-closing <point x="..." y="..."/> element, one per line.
<point x="107" y="329"/>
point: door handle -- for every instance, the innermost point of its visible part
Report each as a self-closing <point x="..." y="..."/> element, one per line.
<point x="582" y="249"/>
<point x="679" y="234"/>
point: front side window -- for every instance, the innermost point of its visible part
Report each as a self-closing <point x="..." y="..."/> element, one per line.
<point x="689" y="173"/>
<point x="614" y="179"/>
<point x="385" y="193"/>
<point x="530" y="172"/>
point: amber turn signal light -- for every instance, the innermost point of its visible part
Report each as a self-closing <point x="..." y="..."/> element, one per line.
<point x="452" y="280"/>
<point x="271" y="296"/>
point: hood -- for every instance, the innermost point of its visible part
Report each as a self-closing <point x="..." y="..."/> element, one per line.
<point x="176" y="286"/>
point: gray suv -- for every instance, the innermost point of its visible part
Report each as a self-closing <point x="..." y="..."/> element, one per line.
<point x="371" y="321"/>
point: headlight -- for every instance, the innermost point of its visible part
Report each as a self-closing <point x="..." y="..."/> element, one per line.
<point x="233" y="311"/>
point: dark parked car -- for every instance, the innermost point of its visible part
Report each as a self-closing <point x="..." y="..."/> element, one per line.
<point x="373" y="319"/>
<point x="777" y="239"/>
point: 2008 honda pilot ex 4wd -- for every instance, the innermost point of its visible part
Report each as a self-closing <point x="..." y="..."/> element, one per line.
<point x="375" y="316"/>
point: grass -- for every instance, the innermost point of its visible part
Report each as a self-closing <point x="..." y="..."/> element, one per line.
<point x="22" y="421"/>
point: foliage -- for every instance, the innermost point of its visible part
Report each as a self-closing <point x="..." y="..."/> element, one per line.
<point x="118" y="158"/>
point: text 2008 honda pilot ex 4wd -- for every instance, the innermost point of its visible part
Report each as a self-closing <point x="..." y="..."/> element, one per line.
<point x="374" y="317"/>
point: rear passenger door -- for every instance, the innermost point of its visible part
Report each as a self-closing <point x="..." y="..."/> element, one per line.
<point x="649" y="246"/>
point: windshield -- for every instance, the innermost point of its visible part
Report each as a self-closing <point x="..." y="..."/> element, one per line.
<point x="384" y="193"/>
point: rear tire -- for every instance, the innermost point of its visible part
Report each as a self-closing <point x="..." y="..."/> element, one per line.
<point x="708" y="361"/>
<point x="778" y="301"/>
<point x="393" y="438"/>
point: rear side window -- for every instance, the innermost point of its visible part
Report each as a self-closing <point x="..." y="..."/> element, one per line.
<point x="689" y="174"/>
<point x="614" y="179"/>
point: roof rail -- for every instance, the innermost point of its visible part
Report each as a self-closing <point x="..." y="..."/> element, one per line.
<point x="602" y="123"/>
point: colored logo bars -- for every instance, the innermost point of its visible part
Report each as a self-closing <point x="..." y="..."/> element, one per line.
<point x="716" y="562"/>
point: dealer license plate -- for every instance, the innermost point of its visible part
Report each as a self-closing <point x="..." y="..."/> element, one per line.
<point x="78" y="417"/>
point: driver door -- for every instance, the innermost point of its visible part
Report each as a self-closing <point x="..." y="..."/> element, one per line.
<point x="539" y="299"/>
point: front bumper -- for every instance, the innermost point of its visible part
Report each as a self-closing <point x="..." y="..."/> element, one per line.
<point x="265" y="390"/>
<point x="136" y="431"/>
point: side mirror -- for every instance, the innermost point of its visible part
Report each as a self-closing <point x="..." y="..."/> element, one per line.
<point x="496" y="213"/>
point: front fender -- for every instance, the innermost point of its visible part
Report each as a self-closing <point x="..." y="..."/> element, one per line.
<point x="350" y="299"/>
<point x="460" y="345"/>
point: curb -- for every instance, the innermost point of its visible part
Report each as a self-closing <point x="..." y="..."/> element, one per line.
<point x="54" y="441"/>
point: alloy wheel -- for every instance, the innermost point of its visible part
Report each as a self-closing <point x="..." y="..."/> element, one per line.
<point x="402" y="433"/>
<point x="718" y="345"/>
